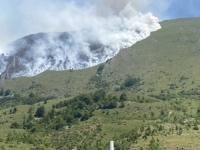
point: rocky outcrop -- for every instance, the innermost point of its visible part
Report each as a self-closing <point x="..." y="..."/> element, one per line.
<point x="13" y="65"/>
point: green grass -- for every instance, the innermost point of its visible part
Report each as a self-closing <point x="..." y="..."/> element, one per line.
<point x="166" y="62"/>
<point x="114" y="123"/>
<point x="159" y="60"/>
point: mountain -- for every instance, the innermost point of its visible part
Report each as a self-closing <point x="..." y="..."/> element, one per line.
<point x="167" y="59"/>
<point x="146" y="97"/>
<point x="80" y="49"/>
<point x="36" y="53"/>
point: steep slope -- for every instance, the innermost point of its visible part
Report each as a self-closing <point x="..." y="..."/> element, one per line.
<point x="167" y="60"/>
<point x="80" y="49"/>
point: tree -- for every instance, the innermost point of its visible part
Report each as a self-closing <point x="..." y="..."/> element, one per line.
<point x="122" y="104"/>
<point x="40" y="112"/>
<point x="99" y="95"/>
<point x="14" y="125"/>
<point x="154" y="145"/>
<point x="14" y="110"/>
<point x="109" y="104"/>
<point x="198" y="111"/>
<point x="2" y="92"/>
<point x="7" y="92"/>
<point x="30" y="117"/>
<point x="131" y="81"/>
<point x="86" y="98"/>
<point x="123" y="97"/>
<point x="45" y="101"/>
<point x="195" y="127"/>
<point x="162" y="112"/>
<point x="86" y="116"/>
<point x="52" y="113"/>
<point x="31" y="95"/>
<point x="100" y="69"/>
<point x="152" y="114"/>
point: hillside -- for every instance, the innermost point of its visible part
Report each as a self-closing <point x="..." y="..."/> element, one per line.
<point x="167" y="60"/>
<point x="146" y="97"/>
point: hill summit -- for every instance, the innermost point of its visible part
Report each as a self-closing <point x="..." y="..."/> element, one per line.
<point x="75" y="50"/>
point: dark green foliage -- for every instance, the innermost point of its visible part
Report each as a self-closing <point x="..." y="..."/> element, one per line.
<point x="37" y="148"/>
<point x="183" y="78"/>
<point x="18" y="99"/>
<point x="154" y="145"/>
<point x="2" y="92"/>
<point x="131" y="81"/>
<point x="40" y="112"/>
<point x="14" y="125"/>
<point x="79" y="108"/>
<point x="162" y="112"/>
<point x="45" y="101"/>
<point x="172" y="86"/>
<point x="67" y="95"/>
<point x="198" y="111"/>
<point x="86" y="116"/>
<point x="100" y="69"/>
<point x="192" y="93"/>
<point x="196" y="127"/>
<point x="99" y="95"/>
<point x="31" y="95"/>
<point x="14" y="110"/>
<point x="122" y="104"/>
<point x="99" y="82"/>
<point x="125" y="140"/>
<point x="164" y="96"/>
<point x="123" y="97"/>
<point x="109" y="104"/>
<point x="7" y="92"/>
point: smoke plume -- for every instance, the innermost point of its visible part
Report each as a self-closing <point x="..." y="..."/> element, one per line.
<point x="77" y="35"/>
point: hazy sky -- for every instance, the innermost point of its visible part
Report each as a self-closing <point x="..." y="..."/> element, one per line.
<point x="22" y="17"/>
<point x="172" y="9"/>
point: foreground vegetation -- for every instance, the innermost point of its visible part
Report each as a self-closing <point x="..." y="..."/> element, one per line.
<point x="147" y="97"/>
<point x="89" y="121"/>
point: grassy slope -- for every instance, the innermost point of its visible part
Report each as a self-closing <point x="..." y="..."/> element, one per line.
<point x="115" y="122"/>
<point x="164" y="57"/>
<point x="159" y="60"/>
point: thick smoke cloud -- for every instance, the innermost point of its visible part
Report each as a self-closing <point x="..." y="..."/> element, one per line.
<point x="110" y="25"/>
<point x="19" y="18"/>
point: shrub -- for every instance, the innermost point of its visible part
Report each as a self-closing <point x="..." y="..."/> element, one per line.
<point x="14" y="125"/>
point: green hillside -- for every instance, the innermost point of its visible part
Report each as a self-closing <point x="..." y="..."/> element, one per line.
<point x="146" y="97"/>
<point x="169" y="56"/>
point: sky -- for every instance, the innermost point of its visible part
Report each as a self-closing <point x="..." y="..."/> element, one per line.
<point x="172" y="9"/>
<point x="19" y="18"/>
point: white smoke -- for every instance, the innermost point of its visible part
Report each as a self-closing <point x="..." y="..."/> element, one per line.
<point x="112" y="28"/>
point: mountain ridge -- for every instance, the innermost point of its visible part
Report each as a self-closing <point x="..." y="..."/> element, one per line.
<point x="160" y="61"/>
<point x="76" y="49"/>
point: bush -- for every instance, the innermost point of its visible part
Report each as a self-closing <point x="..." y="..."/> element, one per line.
<point x="14" y="125"/>
<point x="100" y="69"/>
<point x="131" y="81"/>
<point x="153" y="145"/>
<point x="40" y="112"/>
<point x="195" y="127"/>
<point x="123" y="97"/>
